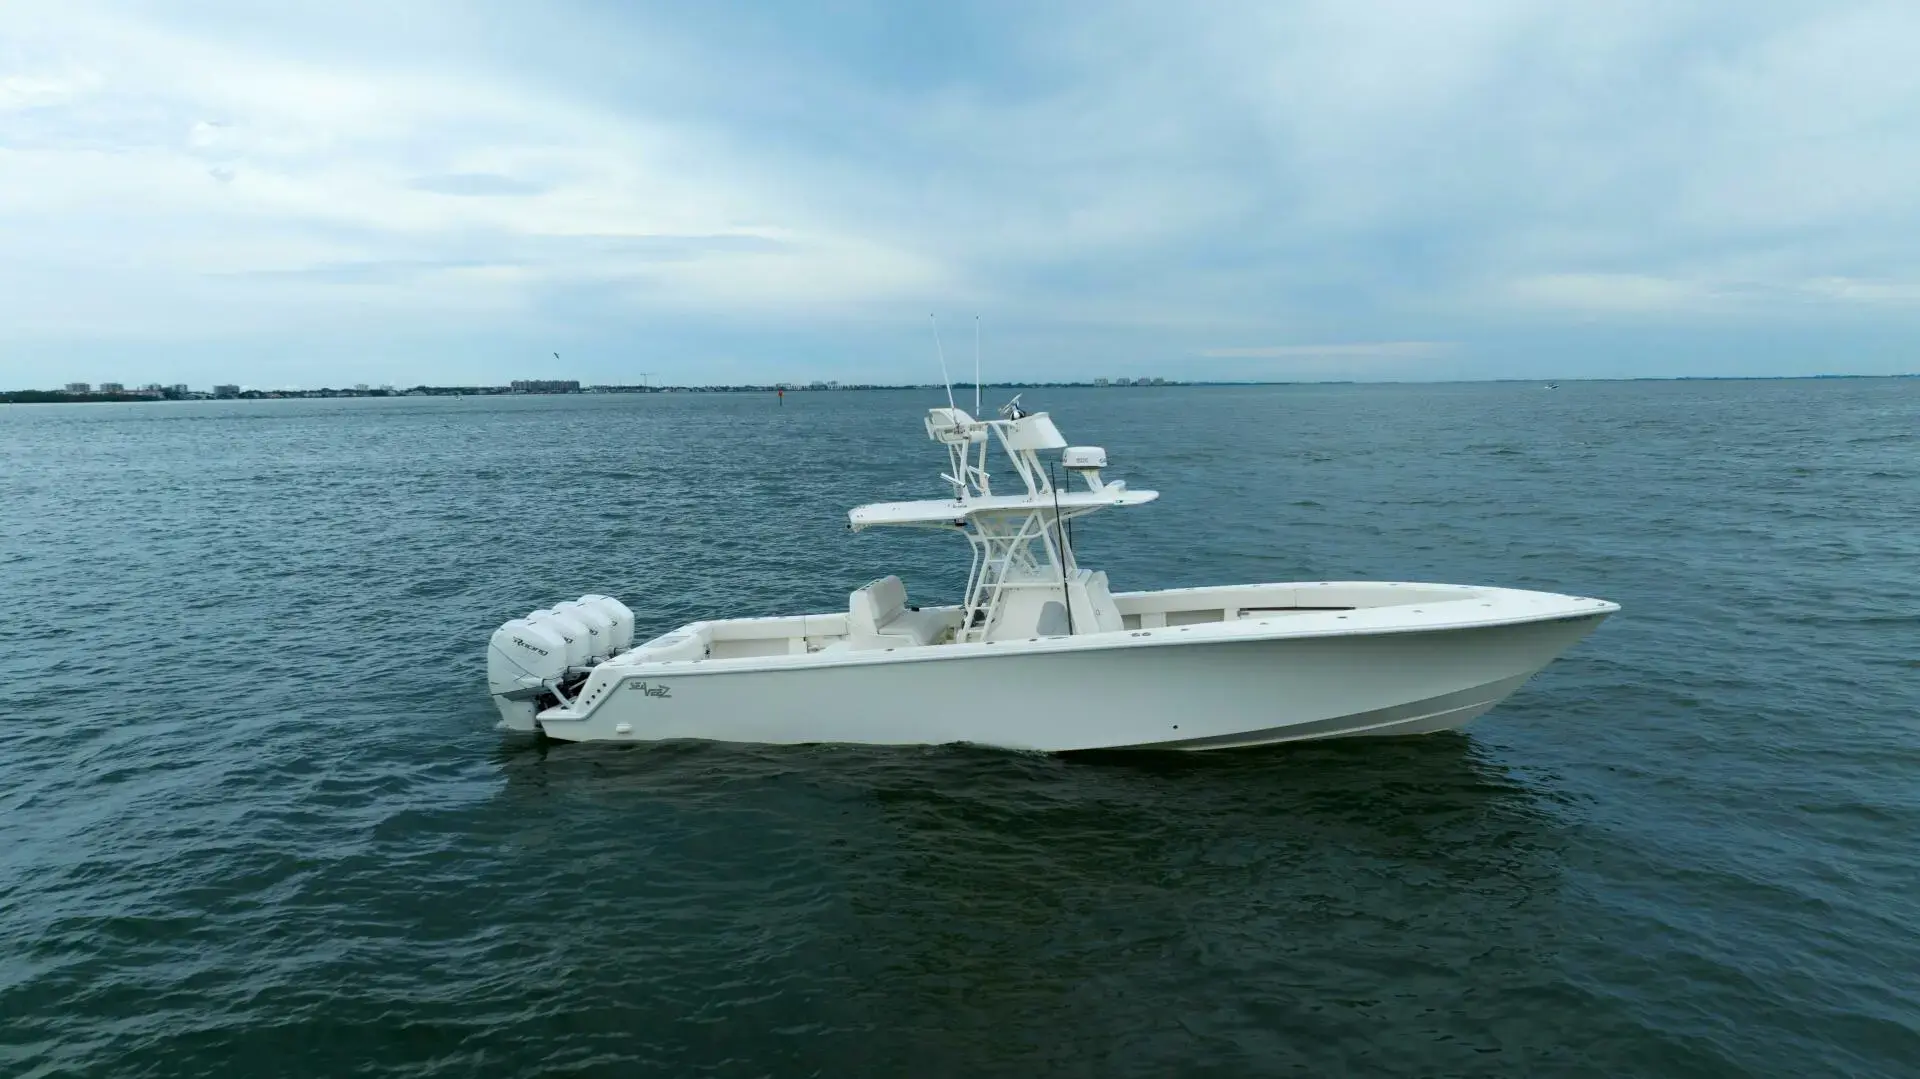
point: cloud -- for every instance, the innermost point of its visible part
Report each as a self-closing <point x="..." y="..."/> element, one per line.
<point x="1368" y="350"/>
<point x="1612" y="293"/>
<point x="476" y="184"/>
<point x="370" y="158"/>
<point x="22" y="91"/>
<point x="1853" y="290"/>
<point x="1108" y="184"/>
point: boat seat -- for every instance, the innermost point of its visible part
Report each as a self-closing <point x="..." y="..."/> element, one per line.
<point x="877" y="616"/>
<point x="676" y="645"/>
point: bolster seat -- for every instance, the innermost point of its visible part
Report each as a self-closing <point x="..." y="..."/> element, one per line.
<point x="877" y="616"/>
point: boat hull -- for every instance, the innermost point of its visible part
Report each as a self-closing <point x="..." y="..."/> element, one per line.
<point x="1157" y="694"/>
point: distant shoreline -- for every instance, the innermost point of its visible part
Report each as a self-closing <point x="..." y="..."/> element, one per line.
<point x="26" y="397"/>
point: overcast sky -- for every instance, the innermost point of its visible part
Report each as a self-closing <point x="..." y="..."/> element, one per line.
<point x="303" y="194"/>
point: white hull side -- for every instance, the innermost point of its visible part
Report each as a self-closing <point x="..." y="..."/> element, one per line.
<point x="1199" y="695"/>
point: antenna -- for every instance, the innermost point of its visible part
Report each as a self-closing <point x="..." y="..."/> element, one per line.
<point x="976" y="365"/>
<point x="943" y="360"/>
<point x="1060" y="533"/>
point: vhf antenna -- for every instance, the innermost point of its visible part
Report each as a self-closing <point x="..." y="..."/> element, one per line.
<point x="943" y="360"/>
<point x="976" y="365"/>
<point x="1060" y="536"/>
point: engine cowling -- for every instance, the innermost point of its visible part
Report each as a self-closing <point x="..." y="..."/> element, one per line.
<point x="522" y="657"/>
<point x="622" y="619"/>
<point x="572" y="630"/>
<point x="599" y="625"/>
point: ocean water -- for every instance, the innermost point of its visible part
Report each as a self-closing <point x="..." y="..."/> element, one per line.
<point x="255" y="821"/>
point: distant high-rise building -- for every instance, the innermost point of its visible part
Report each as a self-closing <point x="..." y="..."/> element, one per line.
<point x="1123" y="382"/>
<point x="226" y="391"/>
<point x="1100" y="382"/>
<point x="546" y="385"/>
<point x="112" y="387"/>
<point x="180" y="388"/>
<point x="79" y="387"/>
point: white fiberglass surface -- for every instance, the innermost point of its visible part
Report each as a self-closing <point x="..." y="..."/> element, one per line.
<point x="1302" y="596"/>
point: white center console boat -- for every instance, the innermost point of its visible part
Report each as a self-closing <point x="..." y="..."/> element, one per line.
<point x="1040" y="654"/>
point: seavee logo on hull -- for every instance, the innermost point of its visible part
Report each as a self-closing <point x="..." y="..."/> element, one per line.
<point x="651" y="691"/>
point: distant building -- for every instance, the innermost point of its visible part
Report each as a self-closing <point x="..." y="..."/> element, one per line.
<point x="1099" y="381"/>
<point x="360" y="387"/>
<point x="1123" y="382"/>
<point x="180" y="389"/>
<point x="226" y="391"/>
<point x="546" y="385"/>
<point x="79" y="387"/>
<point x="112" y="387"/>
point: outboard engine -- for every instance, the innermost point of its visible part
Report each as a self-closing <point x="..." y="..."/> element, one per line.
<point x="599" y="626"/>
<point x="622" y="620"/>
<point x="533" y="662"/>
<point x="571" y="630"/>
<point x="523" y="660"/>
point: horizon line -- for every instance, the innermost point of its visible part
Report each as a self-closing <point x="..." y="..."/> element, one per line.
<point x="146" y="393"/>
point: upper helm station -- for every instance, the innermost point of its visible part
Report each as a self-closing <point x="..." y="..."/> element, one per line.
<point x="1025" y="581"/>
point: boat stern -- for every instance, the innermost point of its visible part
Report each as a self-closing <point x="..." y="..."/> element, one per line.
<point x="537" y="662"/>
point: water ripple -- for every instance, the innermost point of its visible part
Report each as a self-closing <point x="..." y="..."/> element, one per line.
<point x="253" y="818"/>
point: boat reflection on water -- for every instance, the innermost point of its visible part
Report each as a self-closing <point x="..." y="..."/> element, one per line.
<point x="950" y="903"/>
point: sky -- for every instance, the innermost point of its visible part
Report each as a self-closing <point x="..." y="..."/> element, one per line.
<point x="304" y="194"/>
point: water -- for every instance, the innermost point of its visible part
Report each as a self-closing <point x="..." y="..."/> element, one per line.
<point x="254" y="819"/>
